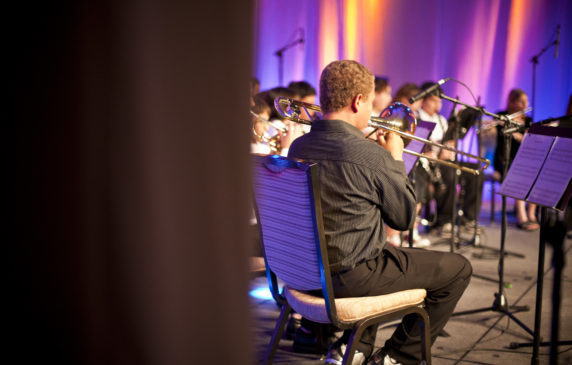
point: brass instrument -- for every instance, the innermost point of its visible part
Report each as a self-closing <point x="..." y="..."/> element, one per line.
<point x="273" y="141"/>
<point x="488" y="124"/>
<point x="397" y="118"/>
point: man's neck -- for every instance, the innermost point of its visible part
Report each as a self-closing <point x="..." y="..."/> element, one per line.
<point x="344" y="116"/>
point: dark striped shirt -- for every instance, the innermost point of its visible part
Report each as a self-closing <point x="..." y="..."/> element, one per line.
<point x="361" y="187"/>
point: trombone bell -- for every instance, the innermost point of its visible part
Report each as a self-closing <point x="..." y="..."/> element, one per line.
<point x="399" y="117"/>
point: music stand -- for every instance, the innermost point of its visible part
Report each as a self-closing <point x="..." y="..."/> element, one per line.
<point x="541" y="173"/>
<point x="500" y="304"/>
<point x="423" y="130"/>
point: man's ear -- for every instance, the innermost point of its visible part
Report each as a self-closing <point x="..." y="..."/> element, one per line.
<point x="356" y="102"/>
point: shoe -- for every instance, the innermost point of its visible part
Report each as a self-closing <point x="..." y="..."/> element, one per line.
<point x="381" y="357"/>
<point x="306" y="342"/>
<point x="418" y="241"/>
<point x="528" y="226"/>
<point x="421" y="242"/>
<point x="336" y="355"/>
<point x="469" y="227"/>
<point x="446" y="230"/>
<point x="394" y="240"/>
<point x="291" y="327"/>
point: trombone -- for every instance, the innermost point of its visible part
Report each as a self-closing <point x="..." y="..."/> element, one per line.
<point x="397" y="118"/>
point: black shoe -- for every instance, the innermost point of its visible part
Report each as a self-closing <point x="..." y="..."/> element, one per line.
<point x="381" y="357"/>
<point x="306" y="342"/>
<point x="291" y="328"/>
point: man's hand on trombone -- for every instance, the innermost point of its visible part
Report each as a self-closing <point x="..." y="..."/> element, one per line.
<point x="391" y="142"/>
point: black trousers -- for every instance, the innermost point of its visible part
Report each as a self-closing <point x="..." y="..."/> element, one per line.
<point x="444" y="275"/>
<point x="421" y="182"/>
<point x="471" y="186"/>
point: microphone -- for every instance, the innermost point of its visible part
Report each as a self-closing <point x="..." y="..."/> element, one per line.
<point x="557" y="42"/>
<point x="429" y="90"/>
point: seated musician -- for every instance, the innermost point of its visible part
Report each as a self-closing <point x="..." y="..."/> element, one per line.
<point x="517" y="101"/>
<point x="419" y="176"/>
<point x="363" y="186"/>
<point x="471" y="185"/>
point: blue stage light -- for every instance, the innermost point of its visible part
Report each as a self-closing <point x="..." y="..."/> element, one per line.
<point x="261" y="293"/>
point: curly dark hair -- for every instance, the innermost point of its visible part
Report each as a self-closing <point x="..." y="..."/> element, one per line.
<point x="341" y="81"/>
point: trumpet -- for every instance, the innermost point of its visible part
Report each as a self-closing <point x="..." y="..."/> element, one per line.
<point x="397" y="118"/>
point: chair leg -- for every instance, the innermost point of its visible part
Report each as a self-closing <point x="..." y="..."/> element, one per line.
<point x="425" y="339"/>
<point x="425" y="335"/>
<point x="492" y="202"/>
<point x="277" y="334"/>
<point x="352" y="344"/>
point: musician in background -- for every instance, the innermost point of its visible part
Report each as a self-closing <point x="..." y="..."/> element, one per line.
<point x="430" y="108"/>
<point x="307" y="94"/>
<point x="420" y="177"/>
<point x="285" y="130"/>
<point x="382" y="97"/>
<point x="404" y="93"/>
<point x="381" y="100"/>
<point x="471" y="185"/>
<point x="254" y="86"/>
<point x="517" y="101"/>
<point x="259" y="142"/>
<point x="363" y="185"/>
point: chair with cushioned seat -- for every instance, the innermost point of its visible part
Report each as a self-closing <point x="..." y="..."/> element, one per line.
<point x="288" y="208"/>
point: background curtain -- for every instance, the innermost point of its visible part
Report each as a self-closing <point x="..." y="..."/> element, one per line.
<point x="485" y="44"/>
<point x="127" y="192"/>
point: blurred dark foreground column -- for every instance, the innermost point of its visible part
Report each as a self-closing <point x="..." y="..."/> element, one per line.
<point x="127" y="182"/>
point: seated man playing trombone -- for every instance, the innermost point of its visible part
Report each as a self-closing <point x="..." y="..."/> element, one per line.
<point x="363" y="186"/>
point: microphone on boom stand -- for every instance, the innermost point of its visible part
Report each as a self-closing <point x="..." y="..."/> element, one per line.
<point x="429" y="90"/>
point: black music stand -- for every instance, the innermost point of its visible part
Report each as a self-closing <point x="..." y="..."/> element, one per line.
<point x="500" y="303"/>
<point x="542" y="174"/>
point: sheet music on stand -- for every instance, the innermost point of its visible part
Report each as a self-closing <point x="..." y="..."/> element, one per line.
<point x="541" y="172"/>
<point x="423" y="130"/>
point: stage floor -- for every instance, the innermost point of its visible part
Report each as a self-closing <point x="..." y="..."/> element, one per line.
<point x="477" y="338"/>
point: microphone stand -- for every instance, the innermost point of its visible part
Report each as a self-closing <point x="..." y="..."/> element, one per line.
<point x="455" y="211"/>
<point x="476" y="241"/>
<point x="280" y="53"/>
<point x="534" y="61"/>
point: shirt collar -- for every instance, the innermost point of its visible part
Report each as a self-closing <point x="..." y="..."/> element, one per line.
<point x="335" y="125"/>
